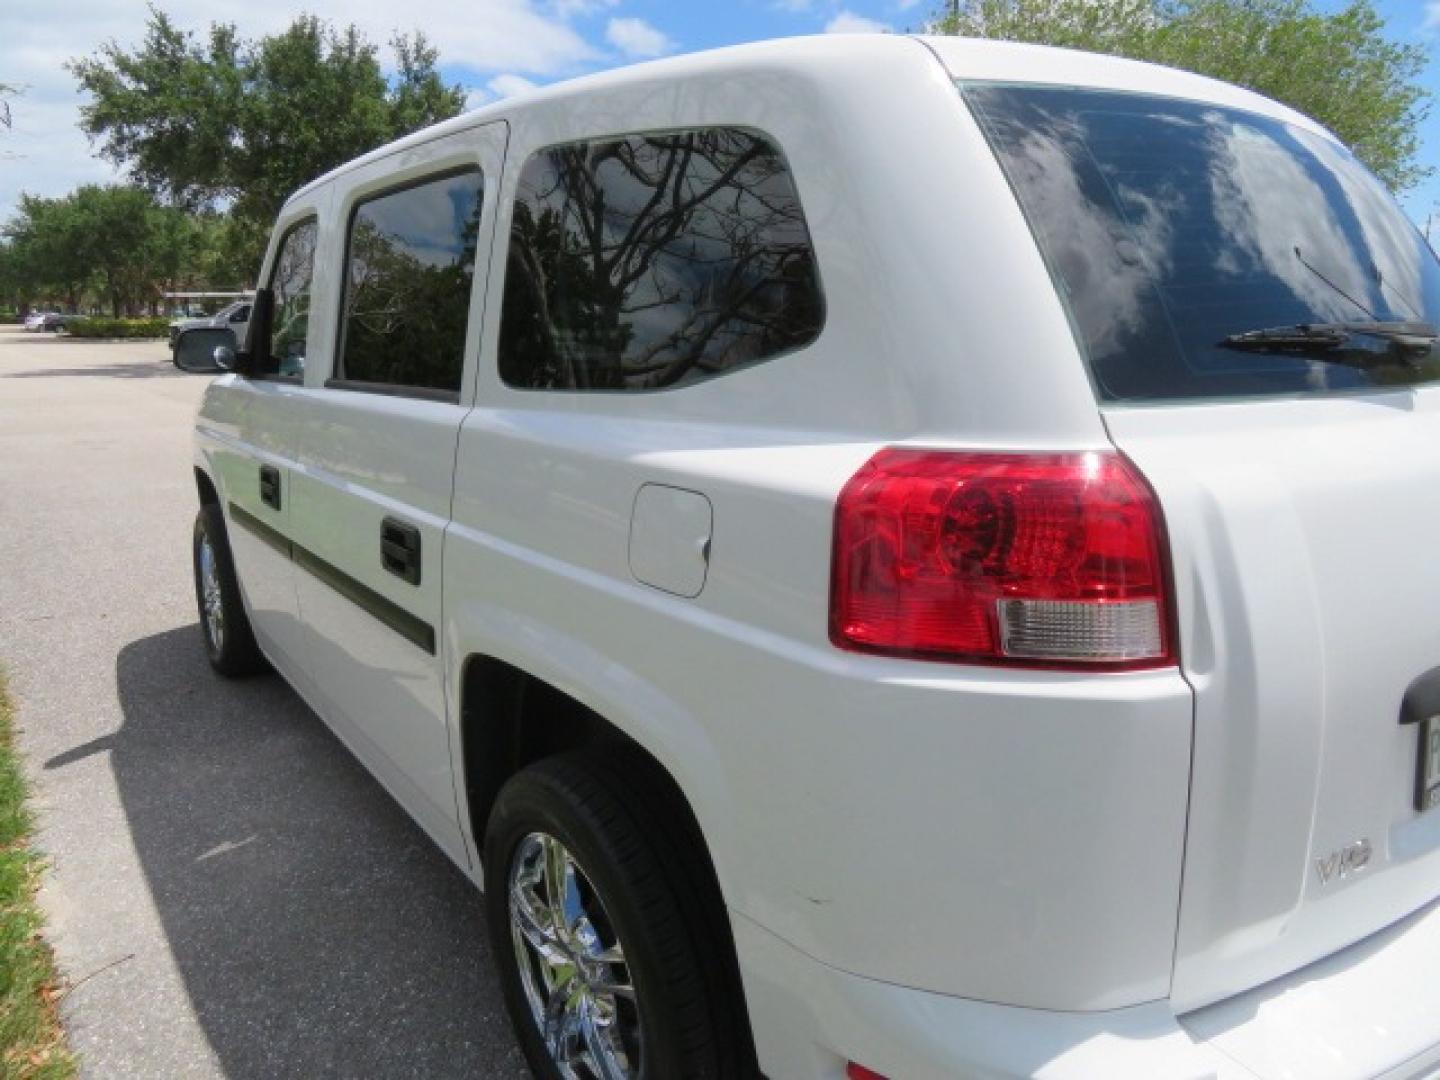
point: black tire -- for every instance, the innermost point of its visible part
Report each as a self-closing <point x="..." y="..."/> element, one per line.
<point x="235" y="653"/>
<point x="659" y="896"/>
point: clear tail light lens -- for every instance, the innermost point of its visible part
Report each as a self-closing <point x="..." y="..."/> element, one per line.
<point x="1056" y="560"/>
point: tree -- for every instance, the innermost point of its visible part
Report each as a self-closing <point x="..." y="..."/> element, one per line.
<point x="116" y="242"/>
<point x="119" y="233"/>
<point x="227" y="251"/>
<point x="1339" y="68"/>
<point x="46" y="263"/>
<point x="224" y="120"/>
<point x="15" y="290"/>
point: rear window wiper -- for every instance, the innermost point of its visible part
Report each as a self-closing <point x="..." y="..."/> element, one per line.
<point x="1409" y="338"/>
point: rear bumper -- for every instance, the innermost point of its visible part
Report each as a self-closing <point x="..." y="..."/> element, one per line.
<point x="810" y="1019"/>
<point x="1372" y="1010"/>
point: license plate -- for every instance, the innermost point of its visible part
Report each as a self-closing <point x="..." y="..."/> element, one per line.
<point x="1428" y="795"/>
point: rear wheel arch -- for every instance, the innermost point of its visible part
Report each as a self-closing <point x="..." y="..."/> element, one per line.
<point x="510" y="720"/>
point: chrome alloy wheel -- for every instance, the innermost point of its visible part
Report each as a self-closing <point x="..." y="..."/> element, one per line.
<point x="571" y="963"/>
<point x="210" y="598"/>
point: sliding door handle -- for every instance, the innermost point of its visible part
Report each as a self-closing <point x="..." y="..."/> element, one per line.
<point x="400" y="549"/>
<point x="270" y="486"/>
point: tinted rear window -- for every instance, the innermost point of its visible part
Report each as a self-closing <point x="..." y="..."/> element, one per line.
<point x="1169" y="225"/>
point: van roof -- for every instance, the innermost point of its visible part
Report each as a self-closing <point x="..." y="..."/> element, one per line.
<point x="963" y="58"/>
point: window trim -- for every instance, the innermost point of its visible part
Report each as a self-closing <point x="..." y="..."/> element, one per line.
<point x="295" y="226"/>
<point x="426" y="393"/>
<point x="591" y="140"/>
<point x="338" y="380"/>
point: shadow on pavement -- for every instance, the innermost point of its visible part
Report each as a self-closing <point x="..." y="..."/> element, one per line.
<point x="149" y="369"/>
<point x="318" y="931"/>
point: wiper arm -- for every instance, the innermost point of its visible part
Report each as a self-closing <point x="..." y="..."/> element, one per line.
<point x="1408" y="337"/>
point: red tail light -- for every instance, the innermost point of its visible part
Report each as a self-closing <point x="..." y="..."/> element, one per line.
<point x="1054" y="560"/>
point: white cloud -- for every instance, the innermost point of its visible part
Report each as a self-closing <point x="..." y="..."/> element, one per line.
<point x="49" y="156"/>
<point x="636" y="38"/>
<point x="568" y="8"/>
<point x="501" y="86"/>
<point x="509" y="85"/>
<point x="1432" y="16"/>
<point x="45" y="153"/>
<point x="847" y="22"/>
<point x="508" y="35"/>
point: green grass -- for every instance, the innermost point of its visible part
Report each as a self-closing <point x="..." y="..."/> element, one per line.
<point x="32" y="1046"/>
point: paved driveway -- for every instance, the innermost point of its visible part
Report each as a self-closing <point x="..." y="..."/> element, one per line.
<point x="231" y="894"/>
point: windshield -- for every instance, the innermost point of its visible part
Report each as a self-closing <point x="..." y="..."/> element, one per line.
<point x="1171" y="225"/>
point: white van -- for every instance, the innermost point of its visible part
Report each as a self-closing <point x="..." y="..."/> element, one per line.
<point x="883" y="556"/>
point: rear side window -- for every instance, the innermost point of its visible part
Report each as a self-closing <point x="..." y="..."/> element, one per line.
<point x="407" y="285"/>
<point x="655" y="260"/>
<point x="1171" y="226"/>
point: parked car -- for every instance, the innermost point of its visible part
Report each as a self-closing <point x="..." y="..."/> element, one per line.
<point x="55" y="322"/>
<point x="235" y="316"/>
<point x="35" y="321"/>
<point x="882" y="556"/>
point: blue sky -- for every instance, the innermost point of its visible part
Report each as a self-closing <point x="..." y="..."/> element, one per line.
<point x="491" y="47"/>
<point x="690" y="27"/>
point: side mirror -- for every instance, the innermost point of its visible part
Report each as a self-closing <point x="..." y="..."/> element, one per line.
<point x="198" y="350"/>
<point x="255" y="358"/>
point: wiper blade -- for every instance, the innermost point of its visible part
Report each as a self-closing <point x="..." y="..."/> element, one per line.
<point x="1321" y="337"/>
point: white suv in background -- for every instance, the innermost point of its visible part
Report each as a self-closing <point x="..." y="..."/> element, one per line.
<point x="883" y="556"/>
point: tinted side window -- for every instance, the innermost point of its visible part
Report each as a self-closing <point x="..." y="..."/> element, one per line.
<point x="407" y="284"/>
<point x="653" y="261"/>
<point x="291" y="279"/>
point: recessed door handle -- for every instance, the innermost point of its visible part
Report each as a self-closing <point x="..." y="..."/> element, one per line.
<point x="270" y="486"/>
<point x="400" y="549"/>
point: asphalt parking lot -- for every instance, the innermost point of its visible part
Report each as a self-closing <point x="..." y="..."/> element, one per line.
<point x="231" y="894"/>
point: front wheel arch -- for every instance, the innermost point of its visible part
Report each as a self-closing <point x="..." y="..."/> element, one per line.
<point x="232" y="650"/>
<point x="205" y="488"/>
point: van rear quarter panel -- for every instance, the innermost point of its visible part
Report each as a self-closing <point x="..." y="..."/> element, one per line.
<point x="1307" y="591"/>
<point x="1003" y="835"/>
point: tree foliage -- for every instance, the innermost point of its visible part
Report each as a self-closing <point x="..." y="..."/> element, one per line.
<point x="219" y="119"/>
<point x="1339" y="68"/>
<point x="114" y="244"/>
